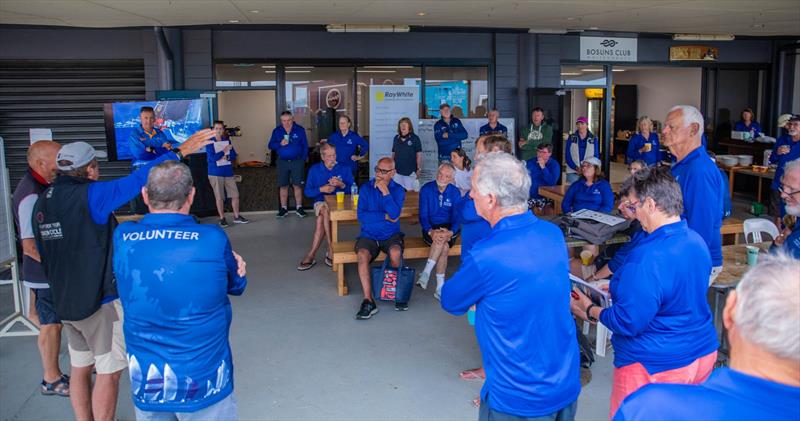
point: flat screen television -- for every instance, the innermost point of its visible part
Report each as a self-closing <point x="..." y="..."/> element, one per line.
<point x="178" y="119"/>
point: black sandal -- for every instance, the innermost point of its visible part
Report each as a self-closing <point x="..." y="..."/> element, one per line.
<point x="306" y="266"/>
<point x="329" y="261"/>
<point x="59" y="387"/>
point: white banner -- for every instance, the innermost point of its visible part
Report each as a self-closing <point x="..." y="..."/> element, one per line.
<point x="609" y="49"/>
<point x="430" y="160"/>
<point x="387" y="105"/>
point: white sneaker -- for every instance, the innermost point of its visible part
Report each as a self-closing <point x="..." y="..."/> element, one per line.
<point x="438" y="295"/>
<point x="422" y="281"/>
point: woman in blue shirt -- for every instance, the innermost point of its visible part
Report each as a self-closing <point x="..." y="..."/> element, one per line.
<point x="347" y="143"/>
<point x="591" y="191"/>
<point x="644" y="145"/>
<point x="748" y="124"/>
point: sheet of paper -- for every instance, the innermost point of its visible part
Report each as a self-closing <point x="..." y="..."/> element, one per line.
<point x="40" y="134"/>
<point x="218" y="147"/>
<point x="598" y="296"/>
<point x="609" y="220"/>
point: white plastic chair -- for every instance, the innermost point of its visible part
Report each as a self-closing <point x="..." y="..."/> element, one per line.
<point x="756" y="226"/>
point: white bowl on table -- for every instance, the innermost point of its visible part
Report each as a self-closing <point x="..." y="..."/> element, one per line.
<point x="745" y="160"/>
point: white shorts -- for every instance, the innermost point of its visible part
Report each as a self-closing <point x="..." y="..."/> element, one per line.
<point x="98" y="340"/>
<point x="318" y="207"/>
<point x="409" y="182"/>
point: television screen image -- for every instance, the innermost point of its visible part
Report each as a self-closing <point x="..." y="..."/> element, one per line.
<point x="178" y="119"/>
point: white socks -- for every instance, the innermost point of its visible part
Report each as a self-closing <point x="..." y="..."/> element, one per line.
<point x="429" y="266"/>
<point x="439" y="281"/>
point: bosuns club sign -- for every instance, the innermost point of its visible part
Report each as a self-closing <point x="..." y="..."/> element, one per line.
<point x="608" y="49"/>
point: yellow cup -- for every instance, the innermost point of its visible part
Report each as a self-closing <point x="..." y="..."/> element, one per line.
<point x="648" y="147"/>
<point x="355" y="200"/>
<point x="339" y="197"/>
<point x="586" y="257"/>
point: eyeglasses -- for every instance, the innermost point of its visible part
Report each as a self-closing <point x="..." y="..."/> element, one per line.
<point x="631" y="206"/>
<point x="784" y="189"/>
<point x="382" y="171"/>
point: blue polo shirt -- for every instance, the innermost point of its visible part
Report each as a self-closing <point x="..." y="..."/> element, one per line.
<point x="297" y="148"/>
<point x="436" y="208"/>
<point x="727" y="395"/>
<point x="212" y="158"/>
<point x="346" y="147"/>
<point x="498" y="129"/>
<point x="523" y="322"/>
<point x="792" y="243"/>
<point x="622" y="253"/>
<point x="318" y="176"/>
<point x="146" y="146"/>
<point x="374" y="207"/>
<point x="753" y="127"/>
<point x="781" y="160"/>
<point x="597" y="197"/>
<point x="455" y="134"/>
<point x="703" y="201"/>
<point x="547" y="176"/>
<point x="637" y="142"/>
<point x="660" y="316"/>
<point x="174" y="277"/>
<point x="473" y="227"/>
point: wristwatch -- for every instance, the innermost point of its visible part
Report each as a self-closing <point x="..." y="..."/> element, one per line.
<point x="589" y="315"/>
<point x="177" y="151"/>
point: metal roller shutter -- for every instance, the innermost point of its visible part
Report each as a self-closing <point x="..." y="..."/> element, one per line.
<point x="66" y="97"/>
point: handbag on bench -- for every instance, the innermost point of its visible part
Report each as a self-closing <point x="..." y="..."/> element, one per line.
<point x="392" y="284"/>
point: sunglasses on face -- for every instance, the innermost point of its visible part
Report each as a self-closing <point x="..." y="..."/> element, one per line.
<point x="383" y="171"/>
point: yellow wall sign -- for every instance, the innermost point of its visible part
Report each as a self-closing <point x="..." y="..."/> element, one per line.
<point x="693" y="53"/>
<point x="596" y="93"/>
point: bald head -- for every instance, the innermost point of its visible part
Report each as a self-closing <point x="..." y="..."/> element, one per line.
<point x="42" y="158"/>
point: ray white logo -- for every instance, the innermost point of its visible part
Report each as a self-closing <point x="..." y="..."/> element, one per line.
<point x="608" y="49"/>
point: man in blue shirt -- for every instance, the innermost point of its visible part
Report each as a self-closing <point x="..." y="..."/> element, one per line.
<point x="347" y="143"/>
<point x="174" y="277"/>
<point x="439" y="222"/>
<point x="787" y="148"/>
<point x="789" y="238"/>
<point x="325" y="178"/>
<point x="290" y="142"/>
<point x="146" y="143"/>
<point x="220" y="157"/>
<point x="523" y="324"/>
<point x="493" y="126"/>
<point x="581" y="146"/>
<point x="544" y="171"/>
<point x="699" y="178"/>
<point x="763" y="381"/>
<point x="660" y="319"/>
<point x="448" y="132"/>
<point x="379" y="205"/>
<point x="73" y="227"/>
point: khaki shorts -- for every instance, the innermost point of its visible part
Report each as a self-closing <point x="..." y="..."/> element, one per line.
<point x="318" y="207"/>
<point x="98" y="340"/>
<point x="222" y="185"/>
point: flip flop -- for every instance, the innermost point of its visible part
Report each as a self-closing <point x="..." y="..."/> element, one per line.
<point x="471" y="374"/>
<point x="328" y="261"/>
<point x="306" y="266"/>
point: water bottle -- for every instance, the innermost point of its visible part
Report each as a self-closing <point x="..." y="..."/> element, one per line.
<point x="354" y="190"/>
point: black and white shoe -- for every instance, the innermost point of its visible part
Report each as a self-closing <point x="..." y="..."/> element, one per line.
<point x="241" y="220"/>
<point x="223" y="223"/>
<point x="282" y="213"/>
<point x="300" y="212"/>
<point x="400" y="306"/>
<point x="367" y="310"/>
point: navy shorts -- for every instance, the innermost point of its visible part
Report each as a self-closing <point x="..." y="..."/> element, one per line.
<point x="291" y="172"/>
<point x="428" y="240"/>
<point x="45" y="307"/>
<point x="375" y="247"/>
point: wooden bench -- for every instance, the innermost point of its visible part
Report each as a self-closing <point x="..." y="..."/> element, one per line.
<point x="344" y="252"/>
<point x="731" y="226"/>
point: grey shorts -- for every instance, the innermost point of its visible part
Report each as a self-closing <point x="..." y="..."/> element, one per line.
<point x="222" y="410"/>
<point x="223" y="186"/>
<point x="98" y="340"/>
<point x="291" y="172"/>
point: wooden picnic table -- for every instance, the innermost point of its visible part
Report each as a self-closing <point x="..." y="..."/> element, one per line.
<point x="746" y="170"/>
<point x="346" y="212"/>
<point x="556" y="193"/>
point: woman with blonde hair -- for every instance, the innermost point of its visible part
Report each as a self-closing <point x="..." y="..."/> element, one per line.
<point x="644" y="145"/>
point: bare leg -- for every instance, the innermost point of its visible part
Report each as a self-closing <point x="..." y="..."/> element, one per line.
<point x="319" y="233"/>
<point x="33" y="315"/>
<point x="326" y="225"/>
<point x="395" y="255"/>
<point x="284" y="195"/>
<point x="575" y="267"/>
<point x="220" y="209"/>
<point x="298" y="196"/>
<point x="80" y="392"/>
<point x="49" y="345"/>
<point x="235" y="206"/>
<point x="441" y="263"/>
<point x="436" y="251"/>
<point x="363" y="273"/>
<point x="104" y="396"/>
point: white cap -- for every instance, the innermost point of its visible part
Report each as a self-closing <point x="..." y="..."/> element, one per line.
<point x="592" y="160"/>
<point x="76" y="155"/>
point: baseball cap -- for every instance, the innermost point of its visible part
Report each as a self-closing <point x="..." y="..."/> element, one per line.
<point x="592" y="160"/>
<point x="795" y="117"/>
<point x="76" y="155"/>
<point x="582" y="120"/>
<point x="783" y="119"/>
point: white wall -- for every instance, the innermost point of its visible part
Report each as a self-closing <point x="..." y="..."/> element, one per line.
<point x="659" y="89"/>
<point x="254" y="112"/>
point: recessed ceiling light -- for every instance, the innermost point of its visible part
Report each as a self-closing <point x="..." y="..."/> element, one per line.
<point x="758" y="26"/>
<point x="571" y="74"/>
<point x="421" y="13"/>
<point x="617" y="70"/>
<point x="593" y="28"/>
<point x="254" y="11"/>
<point x="233" y="21"/>
<point x="592" y="70"/>
<point x="570" y="18"/>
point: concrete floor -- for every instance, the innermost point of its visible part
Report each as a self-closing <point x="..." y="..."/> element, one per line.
<point x="299" y="354"/>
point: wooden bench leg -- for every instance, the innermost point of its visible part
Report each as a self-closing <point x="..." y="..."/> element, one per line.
<point x="342" y="285"/>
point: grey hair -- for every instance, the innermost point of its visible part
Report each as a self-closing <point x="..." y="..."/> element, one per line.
<point x="168" y="185"/>
<point x="767" y="309"/>
<point x="505" y="177"/>
<point x="446" y="165"/>
<point x="790" y="166"/>
<point x="658" y="184"/>
<point x="690" y="115"/>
